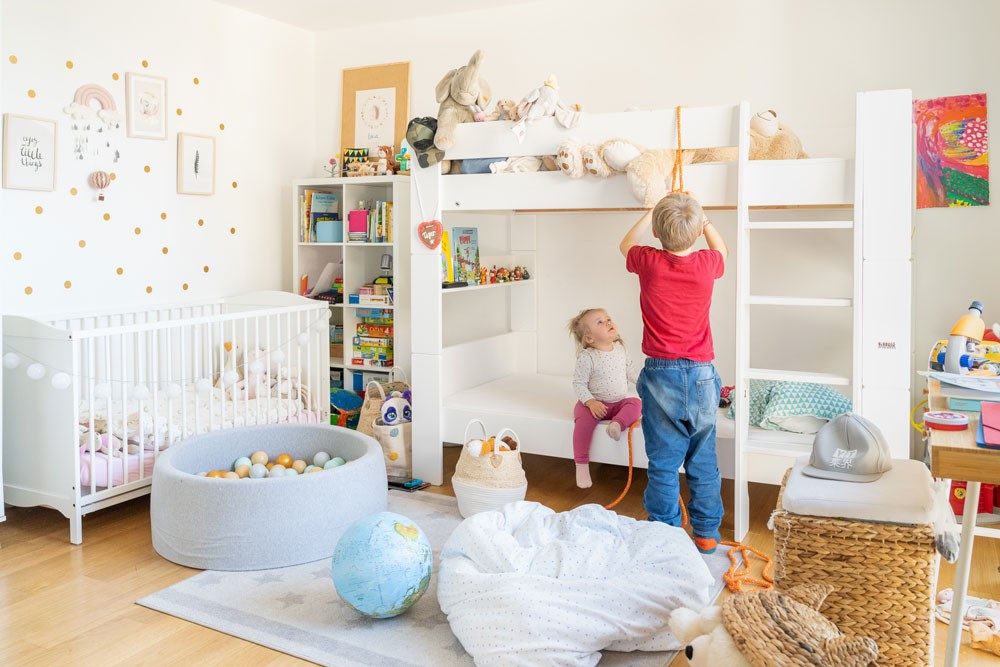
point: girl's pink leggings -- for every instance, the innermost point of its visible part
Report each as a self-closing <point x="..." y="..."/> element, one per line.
<point x="625" y="412"/>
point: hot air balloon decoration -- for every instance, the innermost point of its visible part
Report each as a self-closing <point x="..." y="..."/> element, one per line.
<point x="100" y="180"/>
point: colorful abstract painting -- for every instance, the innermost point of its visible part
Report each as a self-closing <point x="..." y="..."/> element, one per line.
<point x="953" y="167"/>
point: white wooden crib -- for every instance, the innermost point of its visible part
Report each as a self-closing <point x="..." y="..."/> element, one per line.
<point x="117" y="387"/>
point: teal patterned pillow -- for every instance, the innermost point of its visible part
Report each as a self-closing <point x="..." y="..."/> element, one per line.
<point x="760" y="396"/>
<point x="790" y="402"/>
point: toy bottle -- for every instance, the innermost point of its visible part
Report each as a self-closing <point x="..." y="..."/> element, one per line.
<point x="969" y="327"/>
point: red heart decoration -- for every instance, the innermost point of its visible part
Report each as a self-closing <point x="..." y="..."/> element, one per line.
<point x="430" y="233"/>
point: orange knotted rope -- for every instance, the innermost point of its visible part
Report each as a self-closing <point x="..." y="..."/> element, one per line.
<point x="738" y="574"/>
<point x="677" y="172"/>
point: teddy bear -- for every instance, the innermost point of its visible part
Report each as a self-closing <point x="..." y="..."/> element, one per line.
<point x="459" y="93"/>
<point x="767" y="628"/>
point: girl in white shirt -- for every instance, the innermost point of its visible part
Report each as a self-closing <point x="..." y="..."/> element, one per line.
<point x="601" y="379"/>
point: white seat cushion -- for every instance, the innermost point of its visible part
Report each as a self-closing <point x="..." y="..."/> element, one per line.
<point x="905" y="494"/>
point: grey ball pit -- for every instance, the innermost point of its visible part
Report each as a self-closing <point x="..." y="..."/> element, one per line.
<point x="229" y="524"/>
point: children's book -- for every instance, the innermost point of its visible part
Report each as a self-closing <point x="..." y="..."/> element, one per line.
<point x="465" y="241"/>
<point x="447" y="267"/>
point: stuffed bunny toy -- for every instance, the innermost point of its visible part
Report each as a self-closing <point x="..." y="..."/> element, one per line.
<point x="459" y="92"/>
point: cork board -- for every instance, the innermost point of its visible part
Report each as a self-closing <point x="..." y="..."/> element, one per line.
<point x="375" y="106"/>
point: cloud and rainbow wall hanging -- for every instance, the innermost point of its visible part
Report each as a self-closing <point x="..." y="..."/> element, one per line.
<point x="95" y="123"/>
<point x="953" y="167"/>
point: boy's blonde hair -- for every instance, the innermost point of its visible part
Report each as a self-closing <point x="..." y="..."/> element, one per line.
<point x="678" y="220"/>
<point x="578" y="329"/>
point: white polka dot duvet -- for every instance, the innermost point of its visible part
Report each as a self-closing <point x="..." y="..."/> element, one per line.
<point x="529" y="586"/>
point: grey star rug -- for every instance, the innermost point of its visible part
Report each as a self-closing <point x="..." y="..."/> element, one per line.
<point x="296" y="610"/>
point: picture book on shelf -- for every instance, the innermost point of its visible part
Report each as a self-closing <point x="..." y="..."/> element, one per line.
<point x="465" y="245"/>
<point x="447" y="266"/>
<point x="371" y="222"/>
<point x="313" y="202"/>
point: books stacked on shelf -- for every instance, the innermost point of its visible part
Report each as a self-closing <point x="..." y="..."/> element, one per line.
<point x="372" y="345"/>
<point x="336" y="342"/>
<point x="465" y="245"/>
<point x="371" y="222"/>
<point x="315" y="207"/>
<point x="372" y="295"/>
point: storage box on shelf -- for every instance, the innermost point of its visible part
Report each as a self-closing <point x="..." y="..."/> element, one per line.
<point x="353" y="224"/>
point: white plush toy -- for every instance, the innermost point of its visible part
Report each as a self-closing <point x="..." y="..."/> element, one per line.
<point x="708" y="641"/>
<point x="541" y="102"/>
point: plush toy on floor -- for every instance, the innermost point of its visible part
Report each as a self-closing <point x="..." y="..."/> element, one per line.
<point x="767" y="628"/>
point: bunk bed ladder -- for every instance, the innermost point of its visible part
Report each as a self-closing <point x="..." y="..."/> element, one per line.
<point x="741" y="493"/>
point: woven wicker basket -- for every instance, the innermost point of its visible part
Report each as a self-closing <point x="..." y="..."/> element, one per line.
<point x="884" y="576"/>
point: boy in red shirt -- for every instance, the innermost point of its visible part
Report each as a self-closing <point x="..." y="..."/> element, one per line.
<point x="678" y="386"/>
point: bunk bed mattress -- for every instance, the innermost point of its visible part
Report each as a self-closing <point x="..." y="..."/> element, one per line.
<point x="540" y="408"/>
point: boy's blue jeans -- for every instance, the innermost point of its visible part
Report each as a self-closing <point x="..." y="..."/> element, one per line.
<point x="680" y="400"/>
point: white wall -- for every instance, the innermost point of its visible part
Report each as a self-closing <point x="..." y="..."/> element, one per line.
<point x="255" y="75"/>
<point x="804" y="59"/>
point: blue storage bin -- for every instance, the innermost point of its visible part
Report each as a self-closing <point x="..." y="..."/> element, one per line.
<point x="329" y="231"/>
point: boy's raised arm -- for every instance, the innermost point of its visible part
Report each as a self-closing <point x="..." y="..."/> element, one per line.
<point x="638" y="229"/>
<point x="714" y="238"/>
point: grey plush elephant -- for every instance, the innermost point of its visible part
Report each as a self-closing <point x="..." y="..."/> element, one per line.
<point x="462" y="92"/>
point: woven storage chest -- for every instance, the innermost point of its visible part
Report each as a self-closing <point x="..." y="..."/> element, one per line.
<point x="884" y="576"/>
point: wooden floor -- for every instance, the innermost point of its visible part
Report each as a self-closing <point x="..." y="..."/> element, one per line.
<point x="74" y="605"/>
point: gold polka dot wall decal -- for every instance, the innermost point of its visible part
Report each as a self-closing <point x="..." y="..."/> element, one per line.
<point x="13" y="60"/>
<point x="112" y="175"/>
<point x="114" y="76"/>
<point x="196" y="81"/>
<point x="67" y="284"/>
<point x="28" y="290"/>
<point x="163" y="216"/>
<point x="205" y="269"/>
<point x="184" y="286"/>
<point x="235" y="184"/>
<point x="31" y="92"/>
<point x="82" y="243"/>
<point x="145" y="63"/>
<point x="149" y="289"/>
<point x="164" y="250"/>
<point x="107" y="216"/>
<point x="119" y="270"/>
<point x="137" y="230"/>
<point x="180" y="111"/>
<point x="73" y="191"/>
<point x="38" y="210"/>
<point x="201" y="223"/>
<point x="222" y="126"/>
<point x="69" y="64"/>
<point x="18" y="256"/>
<point x="146" y="168"/>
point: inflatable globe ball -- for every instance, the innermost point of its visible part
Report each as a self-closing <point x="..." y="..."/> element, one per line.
<point x="382" y="565"/>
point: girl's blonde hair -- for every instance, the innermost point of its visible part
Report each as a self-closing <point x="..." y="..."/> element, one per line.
<point x="578" y="329"/>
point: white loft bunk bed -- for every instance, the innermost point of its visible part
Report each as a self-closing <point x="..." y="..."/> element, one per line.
<point x="497" y="379"/>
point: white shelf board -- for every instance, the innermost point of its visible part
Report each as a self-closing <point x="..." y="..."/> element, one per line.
<point x="365" y="244"/>
<point x="366" y="305"/>
<point x="470" y="288"/>
<point x="351" y="180"/>
<point x="797" y="376"/>
<point x="371" y="369"/>
<point x="805" y="225"/>
<point x="778" y="443"/>
<point x="336" y="364"/>
<point x="758" y="300"/>
<point x="303" y="244"/>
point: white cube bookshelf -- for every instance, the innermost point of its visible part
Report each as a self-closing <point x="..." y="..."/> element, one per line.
<point x="361" y="260"/>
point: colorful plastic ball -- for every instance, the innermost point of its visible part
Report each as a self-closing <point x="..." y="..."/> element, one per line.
<point x="290" y="472"/>
<point x="258" y="457"/>
<point x="320" y="459"/>
<point x="338" y="461"/>
<point x="36" y="371"/>
<point x="284" y="460"/>
<point x="311" y="469"/>
<point x="242" y="471"/>
<point x="299" y="465"/>
<point x="256" y="367"/>
<point x="269" y="465"/>
<point x="242" y="461"/>
<point x="229" y="474"/>
<point x="216" y="474"/>
<point x="258" y="471"/>
<point x="276" y="470"/>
